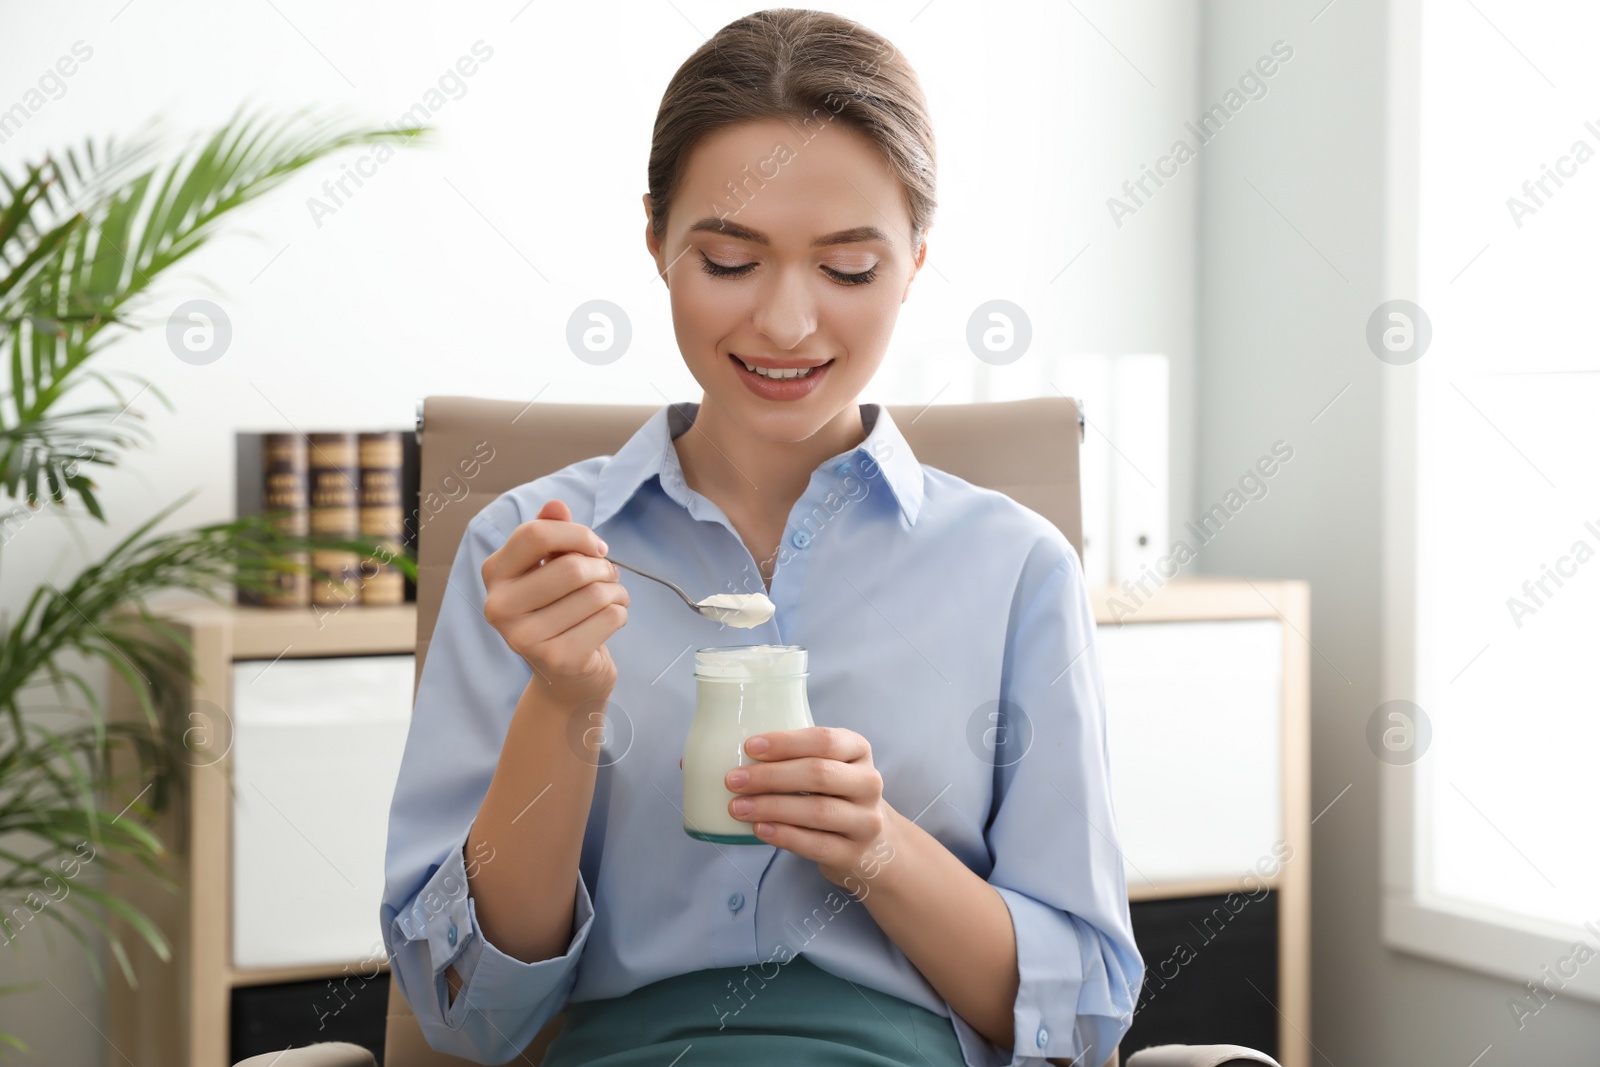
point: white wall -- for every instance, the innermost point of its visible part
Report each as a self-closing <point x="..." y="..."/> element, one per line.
<point x="1288" y="276"/>
<point x="454" y="268"/>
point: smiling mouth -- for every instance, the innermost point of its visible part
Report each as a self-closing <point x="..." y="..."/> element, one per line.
<point x="778" y="374"/>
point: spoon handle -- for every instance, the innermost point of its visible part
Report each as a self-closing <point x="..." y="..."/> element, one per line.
<point x="654" y="578"/>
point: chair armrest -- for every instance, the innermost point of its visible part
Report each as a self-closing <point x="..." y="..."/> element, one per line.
<point x="322" y="1054"/>
<point x="1198" y="1056"/>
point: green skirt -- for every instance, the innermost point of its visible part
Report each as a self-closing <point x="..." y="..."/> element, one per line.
<point x="800" y="1015"/>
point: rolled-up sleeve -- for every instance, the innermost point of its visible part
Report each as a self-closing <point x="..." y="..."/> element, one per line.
<point x="470" y="685"/>
<point x="1057" y="861"/>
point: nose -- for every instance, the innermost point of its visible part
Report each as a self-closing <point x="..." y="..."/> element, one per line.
<point x="785" y="310"/>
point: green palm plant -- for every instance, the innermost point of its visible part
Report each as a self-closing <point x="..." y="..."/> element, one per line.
<point x="83" y="243"/>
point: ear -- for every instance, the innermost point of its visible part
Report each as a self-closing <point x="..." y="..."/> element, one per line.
<point x="916" y="266"/>
<point x="651" y="244"/>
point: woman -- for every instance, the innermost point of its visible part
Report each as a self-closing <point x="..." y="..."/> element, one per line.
<point x="940" y="881"/>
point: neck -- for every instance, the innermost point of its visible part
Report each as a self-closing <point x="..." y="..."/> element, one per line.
<point x="756" y="477"/>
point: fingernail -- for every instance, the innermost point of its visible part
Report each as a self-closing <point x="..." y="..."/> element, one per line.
<point x="756" y="745"/>
<point x="603" y="548"/>
<point x="738" y="778"/>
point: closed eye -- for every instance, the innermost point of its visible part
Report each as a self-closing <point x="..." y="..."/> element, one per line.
<point x="854" y="279"/>
<point x="712" y="267"/>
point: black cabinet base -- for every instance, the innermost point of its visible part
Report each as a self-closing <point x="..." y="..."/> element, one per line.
<point x="1210" y="965"/>
<point x="272" y="1018"/>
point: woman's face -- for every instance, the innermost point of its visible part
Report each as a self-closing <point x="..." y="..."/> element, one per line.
<point x="785" y="253"/>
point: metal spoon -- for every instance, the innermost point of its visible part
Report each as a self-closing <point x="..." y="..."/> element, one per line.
<point x="720" y="614"/>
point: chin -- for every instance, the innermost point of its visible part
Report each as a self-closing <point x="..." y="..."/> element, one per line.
<point x="787" y="421"/>
<point x="790" y="424"/>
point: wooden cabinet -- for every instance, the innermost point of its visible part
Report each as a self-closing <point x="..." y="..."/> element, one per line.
<point x="178" y="1017"/>
<point x="1207" y="689"/>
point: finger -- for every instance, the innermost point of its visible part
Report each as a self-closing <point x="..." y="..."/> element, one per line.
<point x="823" y="813"/>
<point x="555" y="619"/>
<point x="573" y="648"/>
<point x="555" y="510"/>
<point x="535" y="542"/>
<point x="546" y="584"/>
<point x="808" y="774"/>
<point x="830" y="850"/>
<point x="829" y="742"/>
<point x="540" y="539"/>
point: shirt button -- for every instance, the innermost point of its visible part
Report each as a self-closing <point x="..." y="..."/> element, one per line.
<point x="450" y="935"/>
<point x="736" y="902"/>
<point x="1044" y="1035"/>
<point x="800" y="539"/>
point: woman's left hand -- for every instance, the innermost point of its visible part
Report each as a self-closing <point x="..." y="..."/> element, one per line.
<point x="844" y="823"/>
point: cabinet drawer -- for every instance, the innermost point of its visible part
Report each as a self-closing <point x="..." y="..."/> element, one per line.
<point x="316" y="752"/>
<point x="1194" y="721"/>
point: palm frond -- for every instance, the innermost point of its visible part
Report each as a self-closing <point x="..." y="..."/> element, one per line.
<point x="80" y="253"/>
<point x="85" y="240"/>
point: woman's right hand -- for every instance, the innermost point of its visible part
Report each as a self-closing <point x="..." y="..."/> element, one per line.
<point x="555" y="599"/>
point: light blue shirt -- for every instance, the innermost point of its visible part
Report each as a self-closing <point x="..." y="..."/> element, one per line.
<point x="946" y="623"/>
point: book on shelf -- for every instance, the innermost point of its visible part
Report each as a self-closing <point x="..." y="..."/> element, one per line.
<point x="334" y="513"/>
<point x="345" y="484"/>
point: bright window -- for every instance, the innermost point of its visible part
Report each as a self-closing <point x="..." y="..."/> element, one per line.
<point x="1503" y="808"/>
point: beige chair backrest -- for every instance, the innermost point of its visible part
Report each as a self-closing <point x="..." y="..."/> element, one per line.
<point x="475" y="449"/>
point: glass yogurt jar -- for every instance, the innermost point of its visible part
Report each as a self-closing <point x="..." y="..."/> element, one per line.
<point x="741" y="691"/>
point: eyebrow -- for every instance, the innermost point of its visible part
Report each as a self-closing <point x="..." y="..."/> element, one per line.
<point x="726" y="228"/>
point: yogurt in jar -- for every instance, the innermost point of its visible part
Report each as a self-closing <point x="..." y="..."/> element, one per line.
<point x="740" y="691"/>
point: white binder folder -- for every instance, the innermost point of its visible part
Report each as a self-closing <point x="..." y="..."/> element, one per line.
<point x="1087" y="379"/>
<point x="1139" y="475"/>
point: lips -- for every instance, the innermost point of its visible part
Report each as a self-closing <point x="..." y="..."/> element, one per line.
<point x="780" y="388"/>
<point x="770" y="364"/>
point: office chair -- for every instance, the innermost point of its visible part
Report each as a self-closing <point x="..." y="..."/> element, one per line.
<point x="1027" y="449"/>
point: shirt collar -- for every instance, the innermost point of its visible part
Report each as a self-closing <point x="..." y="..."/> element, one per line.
<point x="649" y="453"/>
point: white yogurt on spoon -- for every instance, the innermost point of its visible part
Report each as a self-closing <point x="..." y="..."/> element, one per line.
<point x="743" y="610"/>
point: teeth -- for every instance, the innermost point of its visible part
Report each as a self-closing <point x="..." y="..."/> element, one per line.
<point x="792" y="372"/>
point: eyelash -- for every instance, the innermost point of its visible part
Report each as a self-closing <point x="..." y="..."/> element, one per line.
<point x="719" y="271"/>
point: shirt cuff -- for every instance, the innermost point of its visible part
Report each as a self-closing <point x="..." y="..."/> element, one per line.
<point x="446" y="917"/>
<point x="1058" y="965"/>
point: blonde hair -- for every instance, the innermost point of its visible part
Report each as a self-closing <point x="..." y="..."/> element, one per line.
<point x="790" y="63"/>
